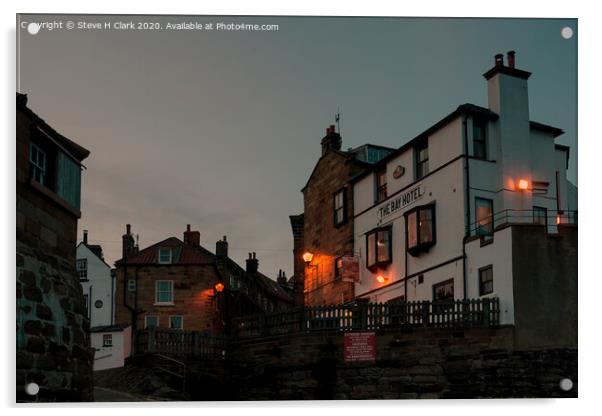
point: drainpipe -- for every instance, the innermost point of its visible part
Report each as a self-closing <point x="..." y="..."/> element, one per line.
<point x="112" y="298"/>
<point x="467" y="191"/>
<point x="405" y="277"/>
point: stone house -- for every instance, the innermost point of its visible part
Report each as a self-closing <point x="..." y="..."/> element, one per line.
<point x="52" y="328"/>
<point x="179" y="284"/>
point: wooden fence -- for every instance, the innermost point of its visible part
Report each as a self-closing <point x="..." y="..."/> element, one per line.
<point x="372" y="316"/>
<point x="174" y="342"/>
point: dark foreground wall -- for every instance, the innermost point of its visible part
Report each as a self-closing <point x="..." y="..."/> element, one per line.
<point x="477" y="363"/>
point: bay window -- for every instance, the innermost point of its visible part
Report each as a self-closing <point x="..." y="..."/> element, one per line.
<point x="484" y="213"/>
<point x="378" y="247"/>
<point x="420" y="229"/>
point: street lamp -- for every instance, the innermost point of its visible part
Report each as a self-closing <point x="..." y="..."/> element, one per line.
<point x="219" y="287"/>
<point x="307" y="257"/>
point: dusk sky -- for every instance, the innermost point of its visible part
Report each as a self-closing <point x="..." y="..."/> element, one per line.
<point x="221" y="129"/>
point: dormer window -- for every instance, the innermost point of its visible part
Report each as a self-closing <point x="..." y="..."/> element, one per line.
<point x="164" y="256"/>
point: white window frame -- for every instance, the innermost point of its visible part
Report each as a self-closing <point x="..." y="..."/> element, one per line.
<point x="104" y="340"/>
<point x="151" y="316"/>
<point x="39" y="164"/>
<point x="131" y="285"/>
<point x="159" y="256"/>
<point x="181" y="320"/>
<point x="157" y="302"/>
<point x="82" y="271"/>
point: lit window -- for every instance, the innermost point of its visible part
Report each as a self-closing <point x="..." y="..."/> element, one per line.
<point x="37" y="162"/>
<point x="381" y="186"/>
<point x="479" y="139"/>
<point x="484" y="213"/>
<point x="340" y="207"/>
<point x="485" y="280"/>
<point x="443" y="296"/>
<point x="164" y="256"/>
<point x="81" y="266"/>
<point x="176" y="322"/>
<point x="107" y="340"/>
<point x="422" y="159"/>
<point x="338" y="267"/>
<point x="540" y="215"/>
<point x="164" y="291"/>
<point x="420" y="229"/>
<point x="131" y="285"/>
<point x="378" y="247"/>
<point x="151" y="321"/>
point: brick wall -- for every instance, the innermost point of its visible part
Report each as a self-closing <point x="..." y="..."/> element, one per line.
<point x="52" y="342"/>
<point x="192" y="295"/>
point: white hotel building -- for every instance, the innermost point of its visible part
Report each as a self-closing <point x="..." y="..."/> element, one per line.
<point x="477" y="205"/>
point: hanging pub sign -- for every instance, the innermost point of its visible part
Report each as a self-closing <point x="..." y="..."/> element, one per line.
<point x="350" y="269"/>
<point x="359" y="346"/>
<point x="401" y="201"/>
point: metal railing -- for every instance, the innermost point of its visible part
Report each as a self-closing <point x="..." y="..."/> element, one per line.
<point x="179" y="343"/>
<point x="545" y="218"/>
<point x="372" y="316"/>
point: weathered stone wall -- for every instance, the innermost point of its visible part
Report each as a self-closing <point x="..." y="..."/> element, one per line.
<point x="477" y="363"/>
<point x="52" y="342"/>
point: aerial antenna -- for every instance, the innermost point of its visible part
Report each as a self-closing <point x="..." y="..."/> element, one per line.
<point x="337" y="119"/>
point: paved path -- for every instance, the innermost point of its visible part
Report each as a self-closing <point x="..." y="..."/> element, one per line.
<point x="102" y="394"/>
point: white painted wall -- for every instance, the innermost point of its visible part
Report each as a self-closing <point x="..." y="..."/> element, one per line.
<point x="114" y="356"/>
<point x="98" y="287"/>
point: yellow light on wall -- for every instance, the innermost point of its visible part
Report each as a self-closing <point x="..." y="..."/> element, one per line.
<point x="307" y="257"/>
<point x="523" y="184"/>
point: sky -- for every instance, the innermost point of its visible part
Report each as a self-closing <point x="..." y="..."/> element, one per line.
<point x="221" y="129"/>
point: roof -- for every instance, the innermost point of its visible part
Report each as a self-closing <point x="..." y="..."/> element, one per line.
<point x="555" y="131"/>
<point x="109" y="328"/>
<point x="77" y="151"/>
<point x="95" y="249"/>
<point x="500" y="69"/>
<point x="274" y="287"/>
<point x="182" y="254"/>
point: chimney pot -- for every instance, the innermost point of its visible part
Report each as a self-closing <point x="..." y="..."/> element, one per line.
<point x="128" y="229"/>
<point x="499" y="59"/>
<point x="85" y="236"/>
<point x="187" y="227"/>
<point x="511" y="59"/>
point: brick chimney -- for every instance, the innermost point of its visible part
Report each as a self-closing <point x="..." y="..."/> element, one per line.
<point x="221" y="248"/>
<point x="252" y="263"/>
<point x="128" y="245"/>
<point x="282" y="278"/>
<point x="192" y="238"/>
<point x="332" y="140"/>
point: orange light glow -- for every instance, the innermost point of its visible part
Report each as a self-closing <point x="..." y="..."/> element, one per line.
<point x="557" y="219"/>
<point x="219" y="287"/>
<point x="381" y="279"/>
<point x="523" y="184"/>
<point x="307" y="257"/>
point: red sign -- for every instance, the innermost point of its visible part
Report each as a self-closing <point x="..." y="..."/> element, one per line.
<point x="359" y="346"/>
<point x="350" y="269"/>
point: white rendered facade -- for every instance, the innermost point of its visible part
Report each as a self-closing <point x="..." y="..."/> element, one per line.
<point x="476" y="157"/>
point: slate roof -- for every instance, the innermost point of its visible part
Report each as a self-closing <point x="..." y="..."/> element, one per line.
<point x="183" y="254"/>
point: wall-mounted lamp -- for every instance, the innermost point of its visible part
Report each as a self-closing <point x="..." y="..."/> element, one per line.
<point x="219" y="287"/>
<point x="523" y="184"/>
<point x="381" y="279"/>
<point x="307" y="257"/>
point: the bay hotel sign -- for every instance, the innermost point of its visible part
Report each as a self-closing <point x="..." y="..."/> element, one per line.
<point x="398" y="203"/>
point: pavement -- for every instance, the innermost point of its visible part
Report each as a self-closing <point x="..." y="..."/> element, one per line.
<point x="102" y="394"/>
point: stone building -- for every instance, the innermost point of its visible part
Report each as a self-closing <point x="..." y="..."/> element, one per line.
<point x="52" y="327"/>
<point x="325" y="228"/>
<point x="179" y="284"/>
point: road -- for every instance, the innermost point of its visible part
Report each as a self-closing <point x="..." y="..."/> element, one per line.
<point x="102" y="394"/>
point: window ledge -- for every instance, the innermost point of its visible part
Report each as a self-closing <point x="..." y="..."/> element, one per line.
<point x="55" y="198"/>
<point x="163" y="304"/>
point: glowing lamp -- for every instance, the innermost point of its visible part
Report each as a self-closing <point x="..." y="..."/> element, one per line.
<point x="523" y="184"/>
<point x="307" y="257"/>
<point x="381" y="279"/>
<point x="219" y="287"/>
<point x="557" y="219"/>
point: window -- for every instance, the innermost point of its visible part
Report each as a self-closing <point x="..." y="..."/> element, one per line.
<point x="86" y="301"/>
<point x="164" y="292"/>
<point x="479" y="139"/>
<point x="234" y="282"/>
<point x="131" y="285"/>
<point x="420" y="229"/>
<point x="340" y="207"/>
<point x="81" y="265"/>
<point x="107" y="340"/>
<point x="176" y="322"/>
<point x="484" y="213"/>
<point x="540" y="215"/>
<point x="381" y="186"/>
<point x="485" y="280"/>
<point x="151" y="321"/>
<point x="443" y="291"/>
<point x="422" y="159"/>
<point x="338" y="267"/>
<point x="164" y="256"/>
<point x="378" y="247"/>
<point x="37" y="163"/>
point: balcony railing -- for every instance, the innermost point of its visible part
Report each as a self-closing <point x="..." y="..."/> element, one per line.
<point x="179" y="343"/>
<point x="550" y="219"/>
<point x="372" y="316"/>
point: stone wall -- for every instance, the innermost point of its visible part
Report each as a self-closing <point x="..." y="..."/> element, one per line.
<point x="52" y="342"/>
<point x="422" y="364"/>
